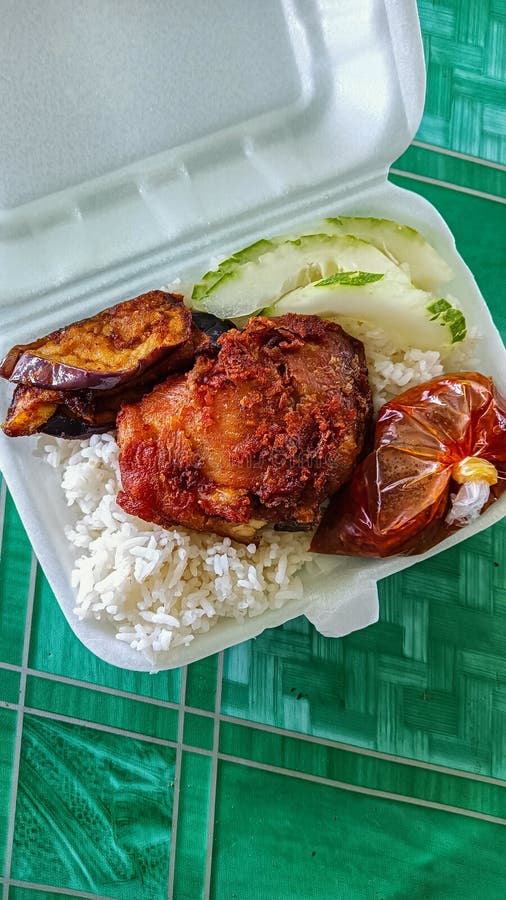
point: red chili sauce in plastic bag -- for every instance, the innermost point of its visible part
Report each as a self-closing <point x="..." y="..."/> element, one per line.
<point x="439" y="459"/>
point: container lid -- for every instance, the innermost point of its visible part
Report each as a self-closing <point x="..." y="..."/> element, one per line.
<point x="144" y="135"/>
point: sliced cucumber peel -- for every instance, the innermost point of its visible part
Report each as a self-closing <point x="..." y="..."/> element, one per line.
<point x="443" y="312"/>
<point x="243" y="284"/>
<point x="390" y="302"/>
<point x="247" y="254"/>
<point x="403" y="244"/>
<point x="366" y="269"/>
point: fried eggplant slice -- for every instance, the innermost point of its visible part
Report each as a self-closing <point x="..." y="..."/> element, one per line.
<point x="60" y="413"/>
<point x="78" y="414"/>
<point x="30" y="409"/>
<point x="107" y="350"/>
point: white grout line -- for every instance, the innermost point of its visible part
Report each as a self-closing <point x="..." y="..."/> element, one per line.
<point x="98" y="726"/>
<point x="260" y="726"/>
<point x="213" y="779"/>
<point x="215" y="755"/>
<point x="199" y="712"/>
<point x="363" y="751"/>
<point x="200" y="751"/>
<point x="177" y="785"/>
<point x="110" y="729"/>
<point x="19" y="728"/>
<point x="103" y="689"/>
<point x="70" y="892"/>
<point x="113" y="692"/>
<point x="358" y="789"/>
<point x="447" y="184"/>
<point x="456" y="153"/>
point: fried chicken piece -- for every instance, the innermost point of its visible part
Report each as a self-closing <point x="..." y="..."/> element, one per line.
<point x="263" y="433"/>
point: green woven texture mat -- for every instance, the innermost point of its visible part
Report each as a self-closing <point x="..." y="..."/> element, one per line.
<point x="464" y="45"/>
<point x="292" y="766"/>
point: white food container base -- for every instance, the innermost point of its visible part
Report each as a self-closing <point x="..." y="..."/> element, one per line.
<point x="145" y="140"/>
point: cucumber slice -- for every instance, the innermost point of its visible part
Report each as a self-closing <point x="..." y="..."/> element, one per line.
<point x="404" y="245"/>
<point x="247" y="254"/>
<point x="245" y="285"/>
<point x="390" y="302"/>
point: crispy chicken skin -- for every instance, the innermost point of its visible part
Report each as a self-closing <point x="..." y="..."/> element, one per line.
<point x="261" y="434"/>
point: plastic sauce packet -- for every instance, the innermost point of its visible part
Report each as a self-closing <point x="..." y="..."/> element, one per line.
<point x="405" y="497"/>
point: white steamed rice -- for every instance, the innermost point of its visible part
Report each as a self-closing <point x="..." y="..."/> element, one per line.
<point x="162" y="588"/>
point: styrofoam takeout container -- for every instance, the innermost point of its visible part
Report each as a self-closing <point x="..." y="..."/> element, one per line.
<point x="145" y="139"/>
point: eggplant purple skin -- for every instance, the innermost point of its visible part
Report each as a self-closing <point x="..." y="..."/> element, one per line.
<point x="31" y="369"/>
<point x="60" y="425"/>
<point x="38" y="372"/>
<point x="27" y="368"/>
<point x="212" y="326"/>
<point x="64" y="426"/>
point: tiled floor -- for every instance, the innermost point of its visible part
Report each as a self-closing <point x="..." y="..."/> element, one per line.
<point x="464" y="44"/>
<point x="294" y="765"/>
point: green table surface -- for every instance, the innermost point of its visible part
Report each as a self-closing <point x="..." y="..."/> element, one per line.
<point x="293" y="765"/>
